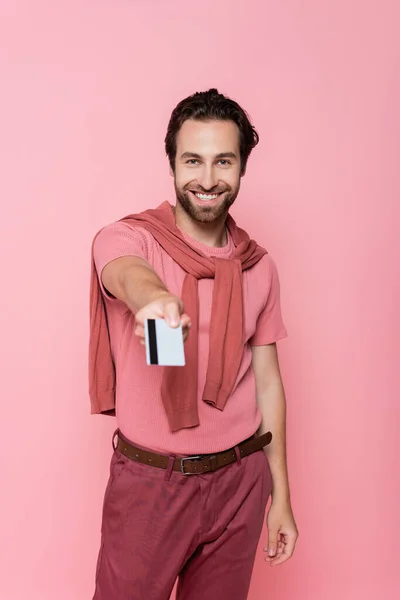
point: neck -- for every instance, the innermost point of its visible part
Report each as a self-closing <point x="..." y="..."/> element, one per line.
<point x="211" y="234"/>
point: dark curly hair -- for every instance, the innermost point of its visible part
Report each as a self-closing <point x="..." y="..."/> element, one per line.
<point x="205" y="106"/>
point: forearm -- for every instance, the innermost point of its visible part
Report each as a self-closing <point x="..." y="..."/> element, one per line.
<point x="272" y="405"/>
<point x="134" y="282"/>
<point x="140" y="286"/>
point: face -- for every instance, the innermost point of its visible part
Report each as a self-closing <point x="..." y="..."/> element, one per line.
<point x="207" y="168"/>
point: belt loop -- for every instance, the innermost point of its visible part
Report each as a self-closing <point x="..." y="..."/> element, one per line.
<point x="170" y="467"/>
<point x="238" y="457"/>
<point x="116" y="432"/>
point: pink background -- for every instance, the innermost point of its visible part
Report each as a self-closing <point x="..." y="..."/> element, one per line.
<point x="86" y="92"/>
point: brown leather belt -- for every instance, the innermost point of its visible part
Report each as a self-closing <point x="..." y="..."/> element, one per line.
<point x="192" y="465"/>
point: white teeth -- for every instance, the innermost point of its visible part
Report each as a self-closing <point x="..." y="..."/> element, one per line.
<point x="207" y="196"/>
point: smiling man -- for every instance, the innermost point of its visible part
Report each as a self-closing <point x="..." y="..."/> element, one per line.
<point x="199" y="449"/>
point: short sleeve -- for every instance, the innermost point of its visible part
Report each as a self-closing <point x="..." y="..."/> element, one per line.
<point x="116" y="240"/>
<point x="270" y="327"/>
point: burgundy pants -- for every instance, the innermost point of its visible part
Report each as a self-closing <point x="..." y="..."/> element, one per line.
<point x="159" y="525"/>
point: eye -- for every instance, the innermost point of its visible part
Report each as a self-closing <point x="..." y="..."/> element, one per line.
<point x="224" y="162"/>
<point x="192" y="161"/>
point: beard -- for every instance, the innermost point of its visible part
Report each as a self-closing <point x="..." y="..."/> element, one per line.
<point x="206" y="214"/>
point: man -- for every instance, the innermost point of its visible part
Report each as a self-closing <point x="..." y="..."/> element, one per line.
<point x="193" y="464"/>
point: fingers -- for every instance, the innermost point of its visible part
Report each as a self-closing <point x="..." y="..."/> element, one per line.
<point x="139" y="330"/>
<point x="184" y="321"/>
<point x="172" y="314"/>
<point x="283" y="550"/>
<point x="273" y="539"/>
<point x="186" y="325"/>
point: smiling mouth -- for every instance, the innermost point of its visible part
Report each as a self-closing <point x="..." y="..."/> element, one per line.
<point x="206" y="197"/>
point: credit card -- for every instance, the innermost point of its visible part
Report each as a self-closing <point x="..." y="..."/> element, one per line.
<point x="164" y="344"/>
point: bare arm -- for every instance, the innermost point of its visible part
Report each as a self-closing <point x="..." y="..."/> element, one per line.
<point x="132" y="280"/>
<point x="282" y="529"/>
<point x="272" y="403"/>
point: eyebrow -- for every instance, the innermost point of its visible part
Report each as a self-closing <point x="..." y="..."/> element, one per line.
<point x="220" y="155"/>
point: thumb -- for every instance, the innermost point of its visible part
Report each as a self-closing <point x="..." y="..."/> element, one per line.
<point x="172" y="314"/>
<point x="272" y="542"/>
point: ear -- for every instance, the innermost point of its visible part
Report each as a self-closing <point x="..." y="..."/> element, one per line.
<point x="171" y="172"/>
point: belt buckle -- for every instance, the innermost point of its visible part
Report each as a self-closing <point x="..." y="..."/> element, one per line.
<point x="188" y="458"/>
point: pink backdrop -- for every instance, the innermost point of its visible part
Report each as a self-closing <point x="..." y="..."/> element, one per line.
<point x="86" y="91"/>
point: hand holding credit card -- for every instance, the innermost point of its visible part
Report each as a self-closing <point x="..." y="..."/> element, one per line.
<point x="166" y="307"/>
<point x="164" y="344"/>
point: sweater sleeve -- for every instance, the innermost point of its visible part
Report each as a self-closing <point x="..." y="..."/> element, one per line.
<point x="270" y="327"/>
<point x="117" y="240"/>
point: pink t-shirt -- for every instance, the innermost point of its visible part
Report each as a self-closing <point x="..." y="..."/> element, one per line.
<point x="139" y="409"/>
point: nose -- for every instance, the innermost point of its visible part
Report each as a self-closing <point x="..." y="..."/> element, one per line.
<point x="208" y="178"/>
